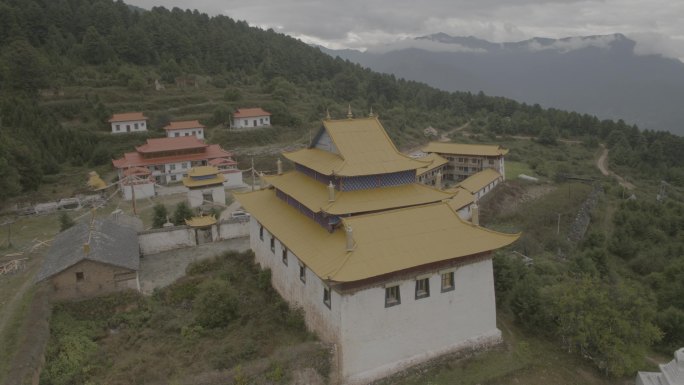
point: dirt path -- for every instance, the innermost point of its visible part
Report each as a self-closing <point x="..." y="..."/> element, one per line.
<point x="602" y="164"/>
<point x="9" y="308"/>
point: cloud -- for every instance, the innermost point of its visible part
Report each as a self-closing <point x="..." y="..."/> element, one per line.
<point x="362" y="24"/>
<point x="573" y="43"/>
<point x="650" y="43"/>
<point x="427" y="45"/>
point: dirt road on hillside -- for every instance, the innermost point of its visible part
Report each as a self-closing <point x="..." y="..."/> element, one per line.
<point x="602" y="164"/>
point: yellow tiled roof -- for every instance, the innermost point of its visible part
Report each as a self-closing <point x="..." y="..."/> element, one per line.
<point x="385" y="242"/>
<point x="314" y="195"/>
<point x="190" y="183"/>
<point x="461" y="198"/>
<point x="203" y="171"/>
<point x="364" y="149"/>
<point x="476" y="182"/>
<point x="435" y="161"/>
<point x="95" y="182"/>
<point x="465" y="149"/>
<point x="202" y="221"/>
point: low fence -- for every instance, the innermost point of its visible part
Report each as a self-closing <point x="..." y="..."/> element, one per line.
<point x="170" y="238"/>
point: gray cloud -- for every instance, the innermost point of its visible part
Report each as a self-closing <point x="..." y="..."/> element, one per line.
<point x="655" y="24"/>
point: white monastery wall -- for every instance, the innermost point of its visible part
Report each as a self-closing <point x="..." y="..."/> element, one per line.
<point x="141" y="191"/>
<point x="233" y="229"/>
<point x="158" y="240"/>
<point x="308" y="296"/>
<point x="232" y="179"/>
<point x="378" y="341"/>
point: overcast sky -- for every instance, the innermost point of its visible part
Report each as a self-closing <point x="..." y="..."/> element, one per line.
<point x="656" y="25"/>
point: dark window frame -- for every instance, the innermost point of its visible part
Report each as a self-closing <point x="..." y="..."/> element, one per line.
<point x="422" y="288"/>
<point x="392" y="296"/>
<point x="450" y="279"/>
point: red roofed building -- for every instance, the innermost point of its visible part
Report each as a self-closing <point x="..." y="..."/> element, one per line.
<point x="185" y="128"/>
<point x="170" y="159"/>
<point x="128" y="122"/>
<point x="251" y="118"/>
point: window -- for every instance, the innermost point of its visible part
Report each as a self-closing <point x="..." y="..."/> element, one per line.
<point x="79" y="276"/>
<point x="142" y="124"/>
<point x="187" y="134"/>
<point x="173" y="178"/>
<point x="118" y="127"/>
<point x="261" y="232"/>
<point x="422" y="288"/>
<point x="392" y="296"/>
<point x="128" y="127"/>
<point x="177" y="134"/>
<point x="172" y="166"/>
<point x="273" y="244"/>
<point x="460" y="160"/>
<point x="284" y="256"/>
<point x="326" y="296"/>
<point x="491" y="161"/>
<point x="302" y="273"/>
<point x="135" y="125"/>
<point x="447" y="281"/>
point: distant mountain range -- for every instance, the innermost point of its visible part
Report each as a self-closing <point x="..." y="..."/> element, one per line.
<point x="600" y="75"/>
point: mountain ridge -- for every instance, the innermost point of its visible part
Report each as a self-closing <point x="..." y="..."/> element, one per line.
<point x="600" y="75"/>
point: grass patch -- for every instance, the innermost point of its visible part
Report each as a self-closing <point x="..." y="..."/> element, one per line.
<point x="177" y="334"/>
<point x="11" y="335"/>
<point x="513" y="169"/>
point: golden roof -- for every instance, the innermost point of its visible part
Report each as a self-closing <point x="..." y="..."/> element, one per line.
<point x="314" y="195"/>
<point x="201" y="221"/>
<point x="461" y="199"/>
<point x="364" y="149"/>
<point x="478" y="181"/>
<point x="385" y="242"/>
<point x="203" y="171"/>
<point x="435" y="162"/>
<point x="465" y="149"/>
<point x="190" y="183"/>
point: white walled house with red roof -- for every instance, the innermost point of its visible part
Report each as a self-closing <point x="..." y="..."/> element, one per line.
<point x="250" y="118"/>
<point x="185" y="128"/>
<point x="170" y="159"/>
<point x="128" y="122"/>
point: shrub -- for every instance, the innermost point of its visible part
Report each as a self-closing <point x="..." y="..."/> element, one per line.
<point x="216" y="304"/>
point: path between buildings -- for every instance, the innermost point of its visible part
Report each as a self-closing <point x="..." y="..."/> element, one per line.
<point x="602" y="164"/>
<point x="162" y="269"/>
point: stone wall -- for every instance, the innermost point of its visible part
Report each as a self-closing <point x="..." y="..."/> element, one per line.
<point x="170" y="238"/>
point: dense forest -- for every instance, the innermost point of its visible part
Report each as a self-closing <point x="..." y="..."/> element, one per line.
<point x="46" y="45"/>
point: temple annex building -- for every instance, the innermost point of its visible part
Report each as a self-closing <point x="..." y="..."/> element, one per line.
<point x="384" y="268"/>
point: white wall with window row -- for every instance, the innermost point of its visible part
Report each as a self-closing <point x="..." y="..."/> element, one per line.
<point x="428" y="315"/>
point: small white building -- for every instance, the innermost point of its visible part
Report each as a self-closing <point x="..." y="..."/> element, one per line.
<point x="205" y="185"/>
<point x="671" y="373"/>
<point x="251" y="118"/>
<point x="228" y="167"/>
<point x="465" y="160"/>
<point x="128" y="122"/>
<point x="481" y="183"/>
<point x="185" y="128"/>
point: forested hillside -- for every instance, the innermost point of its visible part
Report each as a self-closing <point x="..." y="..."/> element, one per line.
<point x="48" y="45"/>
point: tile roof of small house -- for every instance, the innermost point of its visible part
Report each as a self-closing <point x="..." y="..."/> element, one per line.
<point x="314" y="195"/>
<point x="384" y="242"/>
<point x="435" y="162"/>
<point x="364" y="149"/>
<point x="171" y="144"/>
<point x="108" y="242"/>
<point x="183" y="125"/>
<point x="465" y="149"/>
<point x="478" y="181"/>
<point x="461" y="198"/>
<point x="250" y="113"/>
<point x="203" y="176"/>
<point x="127" y="117"/>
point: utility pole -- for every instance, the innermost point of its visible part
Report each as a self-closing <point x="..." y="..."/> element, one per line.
<point x="253" y="174"/>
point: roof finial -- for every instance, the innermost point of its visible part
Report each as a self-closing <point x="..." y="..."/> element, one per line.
<point x="327" y="114"/>
<point x="371" y="113"/>
<point x="349" y="112"/>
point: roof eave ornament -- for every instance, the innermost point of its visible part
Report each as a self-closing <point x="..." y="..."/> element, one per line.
<point x="350" y="115"/>
<point x="371" y="114"/>
<point x="327" y="114"/>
